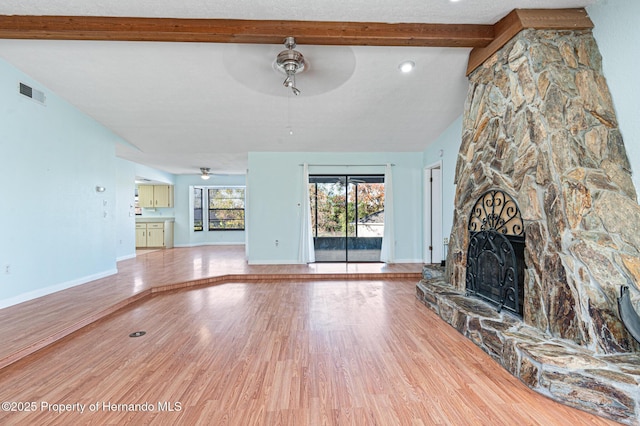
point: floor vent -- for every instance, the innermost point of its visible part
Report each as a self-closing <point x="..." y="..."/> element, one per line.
<point x="32" y="93"/>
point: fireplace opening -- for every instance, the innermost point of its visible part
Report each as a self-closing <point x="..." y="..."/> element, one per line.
<point x="495" y="256"/>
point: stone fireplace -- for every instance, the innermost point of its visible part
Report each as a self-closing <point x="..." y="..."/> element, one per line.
<point x="540" y="126"/>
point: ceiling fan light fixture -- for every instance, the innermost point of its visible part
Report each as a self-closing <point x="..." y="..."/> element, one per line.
<point x="290" y="62"/>
<point x="205" y="173"/>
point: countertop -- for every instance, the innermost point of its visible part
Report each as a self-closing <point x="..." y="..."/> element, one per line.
<point x="154" y="219"/>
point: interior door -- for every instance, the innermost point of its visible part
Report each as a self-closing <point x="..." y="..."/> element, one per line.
<point x="433" y="215"/>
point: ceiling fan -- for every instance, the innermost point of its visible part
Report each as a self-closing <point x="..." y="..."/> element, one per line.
<point x="290" y="62"/>
<point x="255" y="66"/>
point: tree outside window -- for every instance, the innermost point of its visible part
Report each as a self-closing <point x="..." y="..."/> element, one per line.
<point x="226" y="209"/>
<point x="339" y="210"/>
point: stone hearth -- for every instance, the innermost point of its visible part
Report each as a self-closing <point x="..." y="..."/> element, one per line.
<point x="539" y="124"/>
<point x="606" y="385"/>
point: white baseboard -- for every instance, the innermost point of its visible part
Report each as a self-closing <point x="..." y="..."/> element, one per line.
<point x="408" y="261"/>
<point x="295" y="262"/>
<point x="274" y="262"/>
<point x="30" y="295"/>
<point x="128" y="256"/>
<point x="208" y="244"/>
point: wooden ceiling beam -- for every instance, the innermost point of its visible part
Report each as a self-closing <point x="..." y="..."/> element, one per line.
<point x="484" y="39"/>
<point x="243" y="31"/>
<point x="521" y="19"/>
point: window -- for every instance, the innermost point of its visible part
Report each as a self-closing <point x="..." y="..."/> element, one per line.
<point x="226" y="209"/>
<point x="198" y="223"/>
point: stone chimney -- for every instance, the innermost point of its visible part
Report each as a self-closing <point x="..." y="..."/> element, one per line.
<point x="539" y="124"/>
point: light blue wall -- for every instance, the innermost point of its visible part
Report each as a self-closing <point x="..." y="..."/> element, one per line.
<point x="275" y="191"/>
<point x="156" y="175"/>
<point x="618" y="36"/>
<point x="184" y="236"/>
<point x="57" y="231"/>
<point x="448" y="143"/>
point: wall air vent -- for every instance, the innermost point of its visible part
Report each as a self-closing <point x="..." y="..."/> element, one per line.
<point x="32" y="93"/>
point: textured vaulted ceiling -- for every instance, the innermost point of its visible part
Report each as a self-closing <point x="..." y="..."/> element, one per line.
<point x="182" y="106"/>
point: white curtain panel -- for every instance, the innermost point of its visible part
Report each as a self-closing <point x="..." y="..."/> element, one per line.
<point x="387" y="254"/>
<point x="306" y="252"/>
<point x="246" y="219"/>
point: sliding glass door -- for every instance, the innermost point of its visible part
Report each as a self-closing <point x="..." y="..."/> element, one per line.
<point x="347" y="214"/>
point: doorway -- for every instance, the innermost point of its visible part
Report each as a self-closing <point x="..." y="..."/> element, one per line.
<point x="433" y="238"/>
<point x="347" y="217"/>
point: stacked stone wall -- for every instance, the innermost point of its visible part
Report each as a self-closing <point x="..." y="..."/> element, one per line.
<point x="539" y="124"/>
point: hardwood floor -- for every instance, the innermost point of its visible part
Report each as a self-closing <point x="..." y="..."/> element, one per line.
<point x="31" y="326"/>
<point x="270" y="352"/>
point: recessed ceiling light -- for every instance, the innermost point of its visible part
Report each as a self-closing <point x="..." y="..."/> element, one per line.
<point x="407" y="66"/>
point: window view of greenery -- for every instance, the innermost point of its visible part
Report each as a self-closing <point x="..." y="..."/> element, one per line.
<point x="344" y="206"/>
<point x="226" y="209"/>
<point x="198" y="224"/>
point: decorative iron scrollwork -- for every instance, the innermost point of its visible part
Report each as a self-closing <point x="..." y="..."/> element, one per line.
<point x="496" y="211"/>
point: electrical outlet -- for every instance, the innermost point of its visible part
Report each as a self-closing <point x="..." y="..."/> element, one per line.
<point x="7" y="269"/>
<point x="277" y="242"/>
<point x="445" y="241"/>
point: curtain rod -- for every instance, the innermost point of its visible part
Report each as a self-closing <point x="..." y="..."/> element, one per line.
<point x="347" y="165"/>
